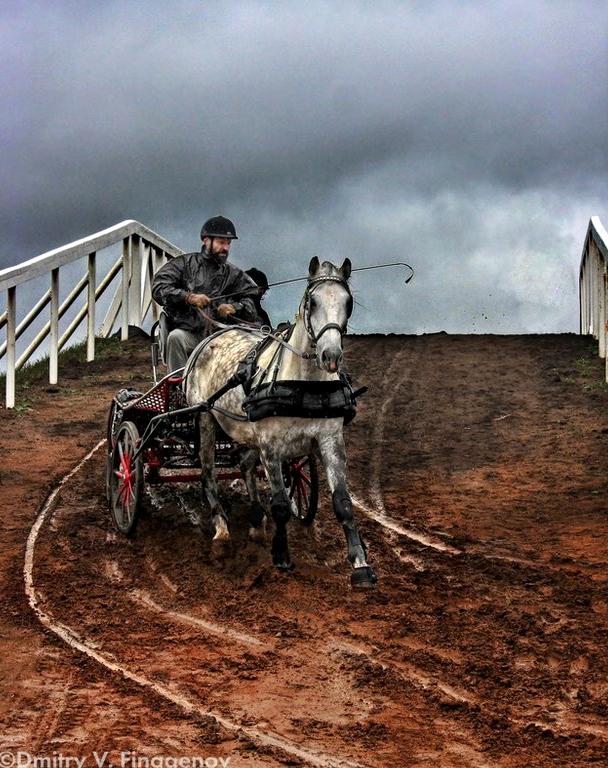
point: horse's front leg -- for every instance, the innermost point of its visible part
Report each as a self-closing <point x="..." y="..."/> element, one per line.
<point x="219" y="518"/>
<point x="248" y="463"/>
<point x="281" y="508"/>
<point x="333" y="455"/>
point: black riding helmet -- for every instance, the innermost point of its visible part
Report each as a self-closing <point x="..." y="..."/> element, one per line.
<point x="219" y="226"/>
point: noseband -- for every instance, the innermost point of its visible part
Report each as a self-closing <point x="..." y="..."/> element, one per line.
<point x="329" y="326"/>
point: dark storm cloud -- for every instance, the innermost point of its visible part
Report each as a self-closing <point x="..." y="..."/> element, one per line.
<point x="470" y="135"/>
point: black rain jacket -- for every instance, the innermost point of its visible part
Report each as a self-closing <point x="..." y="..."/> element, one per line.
<point x="199" y="273"/>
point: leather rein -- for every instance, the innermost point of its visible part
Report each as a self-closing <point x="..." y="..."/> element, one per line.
<point x="306" y="301"/>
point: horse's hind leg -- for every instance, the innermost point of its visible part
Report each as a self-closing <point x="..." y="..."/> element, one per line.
<point x="281" y="509"/>
<point x="333" y="454"/>
<point x="248" y="463"/>
<point x="219" y="518"/>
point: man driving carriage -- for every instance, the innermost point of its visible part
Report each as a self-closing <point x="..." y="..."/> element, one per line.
<point x="197" y="288"/>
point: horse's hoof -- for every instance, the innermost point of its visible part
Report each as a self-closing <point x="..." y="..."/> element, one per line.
<point x="284" y="565"/>
<point x="221" y="531"/>
<point x="221" y="547"/>
<point x="363" y="577"/>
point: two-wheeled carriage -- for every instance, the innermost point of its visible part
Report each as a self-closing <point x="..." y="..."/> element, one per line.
<point x="153" y="439"/>
<point x="246" y="395"/>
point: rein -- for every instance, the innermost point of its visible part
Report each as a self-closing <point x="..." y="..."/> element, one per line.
<point x="245" y="325"/>
<point x="306" y="300"/>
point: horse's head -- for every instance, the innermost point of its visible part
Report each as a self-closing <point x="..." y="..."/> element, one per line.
<point x="327" y="305"/>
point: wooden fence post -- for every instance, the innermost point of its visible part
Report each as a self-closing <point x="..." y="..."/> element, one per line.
<point x="126" y="270"/>
<point x="11" y="322"/>
<point x="135" y="255"/>
<point x="91" y="308"/>
<point x="54" y="328"/>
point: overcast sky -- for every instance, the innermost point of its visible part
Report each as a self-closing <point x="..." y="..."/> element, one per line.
<point x="466" y="138"/>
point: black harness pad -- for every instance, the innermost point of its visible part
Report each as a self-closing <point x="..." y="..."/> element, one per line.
<point x="308" y="399"/>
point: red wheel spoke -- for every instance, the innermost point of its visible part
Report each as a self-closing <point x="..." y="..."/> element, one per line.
<point x="304" y="492"/>
<point x="126" y="492"/>
<point x="301" y="481"/>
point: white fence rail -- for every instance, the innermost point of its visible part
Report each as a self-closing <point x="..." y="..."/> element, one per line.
<point x="142" y="253"/>
<point x="593" y="286"/>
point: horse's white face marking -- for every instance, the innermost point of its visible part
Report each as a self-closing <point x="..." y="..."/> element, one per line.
<point x="328" y="304"/>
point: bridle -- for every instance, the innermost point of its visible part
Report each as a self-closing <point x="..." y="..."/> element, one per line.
<point x="312" y="284"/>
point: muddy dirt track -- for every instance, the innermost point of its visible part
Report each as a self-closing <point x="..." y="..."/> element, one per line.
<point x="479" y="469"/>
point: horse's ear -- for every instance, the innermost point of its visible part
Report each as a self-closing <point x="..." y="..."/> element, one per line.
<point x="346" y="268"/>
<point x="313" y="267"/>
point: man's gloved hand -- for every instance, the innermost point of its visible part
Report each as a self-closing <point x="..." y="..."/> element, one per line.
<point x="225" y="310"/>
<point x="198" y="300"/>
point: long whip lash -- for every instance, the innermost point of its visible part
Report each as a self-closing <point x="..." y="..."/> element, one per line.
<point x="256" y="292"/>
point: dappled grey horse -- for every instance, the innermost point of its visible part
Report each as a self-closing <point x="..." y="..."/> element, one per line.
<point x="313" y="354"/>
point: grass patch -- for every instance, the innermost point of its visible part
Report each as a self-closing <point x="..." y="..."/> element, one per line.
<point x="592" y="368"/>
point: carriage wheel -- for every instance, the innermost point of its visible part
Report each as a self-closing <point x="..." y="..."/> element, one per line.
<point x="302" y="482"/>
<point x="126" y="480"/>
<point x="111" y="429"/>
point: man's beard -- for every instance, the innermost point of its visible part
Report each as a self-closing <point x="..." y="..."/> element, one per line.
<point x="220" y="256"/>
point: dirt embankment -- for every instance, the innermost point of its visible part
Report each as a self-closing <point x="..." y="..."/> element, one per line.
<point x="478" y="467"/>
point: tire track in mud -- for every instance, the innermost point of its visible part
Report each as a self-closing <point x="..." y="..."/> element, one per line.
<point x="427" y="681"/>
<point x="189" y="705"/>
<point x="422" y="680"/>
<point x="396" y="376"/>
<point x="565" y="724"/>
<point x="80" y="642"/>
<point x="183" y="702"/>
<point x="144" y="598"/>
<point x="400" y="373"/>
<point x="46" y="728"/>
<point x="166" y="581"/>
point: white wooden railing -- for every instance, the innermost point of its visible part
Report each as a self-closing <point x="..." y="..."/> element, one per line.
<point x="142" y="253"/>
<point x="593" y="288"/>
